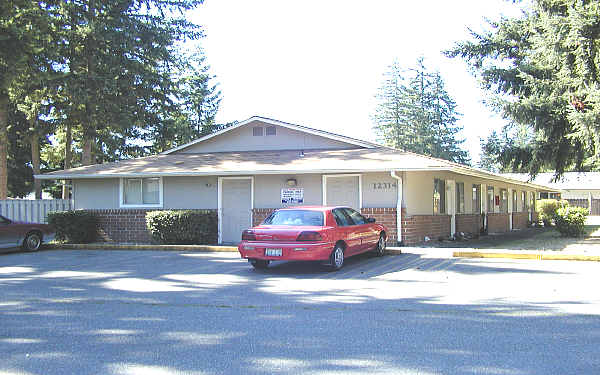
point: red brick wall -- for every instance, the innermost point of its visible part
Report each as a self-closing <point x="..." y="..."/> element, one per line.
<point x="468" y="223"/>
<point x="259" y="214"/>
<point x="416" y="227"/>
<point x="520" y="220"/>
<point x="498" y="222"/>
<point x="123" y="225"/>
<point x="387" y="217"/>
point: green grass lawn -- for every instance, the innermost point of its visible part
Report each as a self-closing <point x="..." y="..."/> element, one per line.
<point x="544" y="239"/>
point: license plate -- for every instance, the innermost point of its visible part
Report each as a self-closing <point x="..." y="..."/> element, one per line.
<point x="273" y="252"/>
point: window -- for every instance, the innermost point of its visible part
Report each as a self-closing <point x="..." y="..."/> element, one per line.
<point x="503" y="201"/>
<point x="270" y="130"/>
<point x="460" y="197"/>
<point x="439" y="196"/>
<point x="141" y="191"/>
<point x="515" y="201"/>
<point x="356" y="218"/>
<point x="490" y="199"/>
<point x="257" y="131"/>
<point x="525" y="203"/>
<point x="341" y="218"/>
<point x="296" y="218"/>
<point x="476" y="207"/>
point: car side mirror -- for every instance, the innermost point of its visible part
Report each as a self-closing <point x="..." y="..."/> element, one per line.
<point x="370" y="220"/>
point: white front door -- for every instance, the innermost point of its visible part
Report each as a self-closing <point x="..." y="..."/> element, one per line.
<point x="342" y="191"/>
<point x="236" y="208"/>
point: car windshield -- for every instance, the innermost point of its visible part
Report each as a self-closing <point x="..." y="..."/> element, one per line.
<point x="295" y="217"/>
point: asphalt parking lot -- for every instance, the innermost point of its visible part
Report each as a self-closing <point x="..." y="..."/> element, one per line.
<point x="150" y="312"/>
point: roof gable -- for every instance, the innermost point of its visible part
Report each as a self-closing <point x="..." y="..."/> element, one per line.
<point x="311" y="139"/>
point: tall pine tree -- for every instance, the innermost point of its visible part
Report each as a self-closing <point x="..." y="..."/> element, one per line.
<point x="416" y="113"/>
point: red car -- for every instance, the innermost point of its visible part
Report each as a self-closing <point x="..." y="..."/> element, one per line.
<point x="312" y="233"/>
<point x="27" y="235"/>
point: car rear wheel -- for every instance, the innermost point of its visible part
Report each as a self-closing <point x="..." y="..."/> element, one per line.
<point x="337" y="258"/>
<point x="380" y="248"/>
<point x="260" y="264"/>
<point x="32" y="242"/>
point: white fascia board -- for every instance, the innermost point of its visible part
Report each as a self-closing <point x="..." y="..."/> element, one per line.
<point x="491" y="176"/>
<point x="300" y="128"/>
<point x="229" y="173"/>
<point x="463" y="171"/>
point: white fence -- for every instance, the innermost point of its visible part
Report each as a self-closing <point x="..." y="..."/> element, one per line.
<point x="33" y="211"/>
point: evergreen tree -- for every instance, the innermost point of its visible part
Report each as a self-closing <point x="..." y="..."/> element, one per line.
<point x="542" y="72"/>
<point x="416" y="113"/>
<point x="27" y="51"/>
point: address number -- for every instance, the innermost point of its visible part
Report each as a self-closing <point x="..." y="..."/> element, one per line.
<point x="383" y="185"/>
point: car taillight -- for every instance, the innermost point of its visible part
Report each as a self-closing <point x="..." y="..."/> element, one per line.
<point x="309" y="236"/>
<point x="248" y="235"/>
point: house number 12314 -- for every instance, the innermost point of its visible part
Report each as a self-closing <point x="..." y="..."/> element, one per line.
<point x="383" y="185"/>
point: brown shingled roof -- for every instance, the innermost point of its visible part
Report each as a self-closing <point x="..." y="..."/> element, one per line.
<point x="270" y="162"/>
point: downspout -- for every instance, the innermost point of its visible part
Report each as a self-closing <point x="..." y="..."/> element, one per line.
<point x="398" y="206"/>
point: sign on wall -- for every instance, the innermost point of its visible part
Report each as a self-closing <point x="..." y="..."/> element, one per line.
<point x="292" y="195"/>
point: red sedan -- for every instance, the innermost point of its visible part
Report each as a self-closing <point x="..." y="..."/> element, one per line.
<point x="312" y="233"/>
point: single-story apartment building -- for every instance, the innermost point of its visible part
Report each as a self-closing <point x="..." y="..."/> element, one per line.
<point x="247" y="170"/>
<point x="580" y="189"/>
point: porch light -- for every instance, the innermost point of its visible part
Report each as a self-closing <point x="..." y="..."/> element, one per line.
<point x="292" y="182"/>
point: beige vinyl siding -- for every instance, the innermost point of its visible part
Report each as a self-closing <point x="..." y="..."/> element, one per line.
<point x="96" y="193"/>
<point x="242" y="139"/>
<point x="418" y="193"/>
<point x="267" y="189"/>
<point x="190" y="192"/>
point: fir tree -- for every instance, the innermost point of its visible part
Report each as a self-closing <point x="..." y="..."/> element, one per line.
<point x="416" y="113"/>
<point x="542" y="72"/>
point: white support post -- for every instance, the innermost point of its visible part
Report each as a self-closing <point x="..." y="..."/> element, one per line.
<point x="530" y="205"/>
<point x="484" y="204"/>
<point x="398" y="206"/>
<point x="451" y="204"/>
<point x="510" y="209"/>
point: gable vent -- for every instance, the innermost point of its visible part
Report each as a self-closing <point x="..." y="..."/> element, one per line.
<point x="270" y="130"/>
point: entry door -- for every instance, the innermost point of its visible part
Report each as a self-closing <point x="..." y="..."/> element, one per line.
<point x="343" y="191"/>
<point x="236" y="208"/>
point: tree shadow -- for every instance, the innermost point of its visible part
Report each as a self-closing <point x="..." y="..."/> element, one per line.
<point x="173" y="313"/>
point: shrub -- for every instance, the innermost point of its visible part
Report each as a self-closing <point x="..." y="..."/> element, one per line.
<point x="547" y="209"/>
<point x="570" y="221"/>
<point x="183" y="226"/>
<point x="74" y="226"/>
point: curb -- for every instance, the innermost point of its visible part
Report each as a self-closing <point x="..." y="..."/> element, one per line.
<point x="151" y="247"/>
<point x="533" y="256"/>
<point x="138" y="247"/>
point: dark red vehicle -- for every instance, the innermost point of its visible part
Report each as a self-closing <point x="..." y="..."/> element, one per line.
<point x="27" y="235"/>
<point x="312" y="233"/>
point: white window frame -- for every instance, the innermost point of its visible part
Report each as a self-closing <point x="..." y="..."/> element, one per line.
<point x="151" y="205"/>
<point x="360" y="193"/>
<point x="220" y="202"/>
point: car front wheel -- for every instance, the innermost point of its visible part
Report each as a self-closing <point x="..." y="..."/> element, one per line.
<point x="380" y="248"/>
<point x="32" y="242"/>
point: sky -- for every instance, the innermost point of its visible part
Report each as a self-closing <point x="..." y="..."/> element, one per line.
<point x="319" y="63"/>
